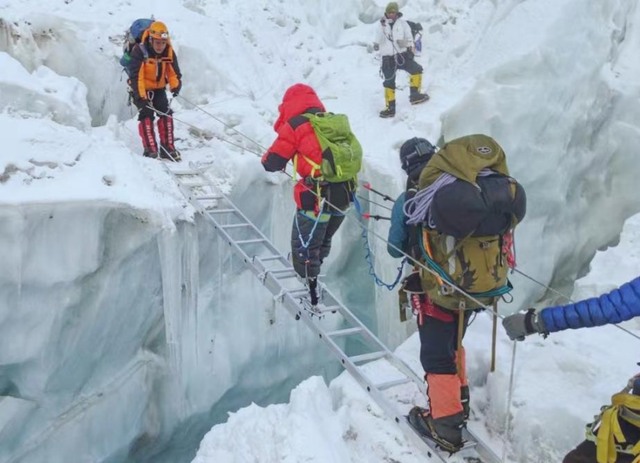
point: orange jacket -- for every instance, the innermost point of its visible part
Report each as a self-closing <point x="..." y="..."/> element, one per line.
<point x="150" y="71"/>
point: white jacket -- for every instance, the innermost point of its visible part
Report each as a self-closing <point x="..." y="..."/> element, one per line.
<point x="394" y="40"/>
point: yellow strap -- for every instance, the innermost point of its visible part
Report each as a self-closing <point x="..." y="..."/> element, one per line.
<point x="295" y="167"/>
<point x="608" y="434"/>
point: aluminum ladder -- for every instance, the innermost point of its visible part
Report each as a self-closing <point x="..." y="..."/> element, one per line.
<point x="277" y="274"/>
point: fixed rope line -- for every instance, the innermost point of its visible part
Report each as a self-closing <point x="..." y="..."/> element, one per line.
<point x="222" y="122"/>
<point x="373" y="202"/>
<point x="629" y="332"/>
<point x="408" y="258"/>
<point x="201" y="130"/>
<point x="359" y="224"/>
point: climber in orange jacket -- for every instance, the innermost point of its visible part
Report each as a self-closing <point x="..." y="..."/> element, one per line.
<point x="153" y="66"/>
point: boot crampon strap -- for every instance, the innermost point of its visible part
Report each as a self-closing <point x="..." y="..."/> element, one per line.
<point x="421" y="420"/>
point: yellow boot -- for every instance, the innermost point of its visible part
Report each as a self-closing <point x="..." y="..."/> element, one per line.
<point x="390" y="100"/>
<point x="415" y="82"/>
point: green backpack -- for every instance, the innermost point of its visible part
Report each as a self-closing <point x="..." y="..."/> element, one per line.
<point x="341" y="150"/>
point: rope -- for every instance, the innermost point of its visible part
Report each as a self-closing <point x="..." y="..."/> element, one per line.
<point x="373" y="202"/>
<point x="369" y="256"/>
<point x="418" y="208"/>
<point x="408" y="258"/>
<point x="313" y="229"/>
<point x="223" y="123"/>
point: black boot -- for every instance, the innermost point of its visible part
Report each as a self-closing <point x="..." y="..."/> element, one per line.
<point x="445" y="431"/>
<point x="149" y="153"/>
<point x="312" y="283"/>
<point x="171" y="155"/>
<point x="465" y="399"/>
<point x="390" y="111"/>
<point x="416" y="97"/>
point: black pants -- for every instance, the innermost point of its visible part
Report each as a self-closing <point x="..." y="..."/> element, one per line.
<point x="307" y="261"/>
<point x="586" y="453"/>
<point x="402" y="62"/>
<point x="439" y="341"/>
<point x="157" y="98"/>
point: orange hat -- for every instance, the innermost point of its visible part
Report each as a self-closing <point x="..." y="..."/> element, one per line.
<point x="158" y="30"/>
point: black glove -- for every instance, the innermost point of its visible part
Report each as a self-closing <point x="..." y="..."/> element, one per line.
<point x="383" y="21"/>
<point x="522" y="324"/>
<point x="176" y="91"/>
<point x="376" y="47"/>
<point x="142" y="103"/>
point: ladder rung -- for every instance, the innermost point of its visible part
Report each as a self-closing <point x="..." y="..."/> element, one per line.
<point x="269" y="258"/>
<point x="185" y="172"/>
<point x="390" y="384"/>
<point x="282" y="270"/>
<point x="195" y="184"/>
<point x="235" y="225"/>
<point x="209" y="198"/>
<point x="283" y="273"/>
<point x="332" y="308"/>
<point x="299" y="292"/>
<point x="367" y="357"/>
<point x="259" y="240"/>
<point x="345" y="332"/>
<point x="220" y="211"/>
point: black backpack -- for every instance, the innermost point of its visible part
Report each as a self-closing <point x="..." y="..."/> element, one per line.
<point x="416" y="28"/>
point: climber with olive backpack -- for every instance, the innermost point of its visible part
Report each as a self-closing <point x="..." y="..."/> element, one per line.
<point x="328" y="157"/>
<point x="465" y="210"/>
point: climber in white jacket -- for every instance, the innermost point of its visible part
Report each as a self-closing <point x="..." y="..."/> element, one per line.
<point x="394" y="41"/>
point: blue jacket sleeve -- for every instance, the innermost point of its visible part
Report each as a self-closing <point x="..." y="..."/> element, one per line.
<point x="398" y="234"/>
<point x="617" y="306"/>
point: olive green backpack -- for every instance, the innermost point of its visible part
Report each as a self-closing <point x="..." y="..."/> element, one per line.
<point x="476" y="264"/>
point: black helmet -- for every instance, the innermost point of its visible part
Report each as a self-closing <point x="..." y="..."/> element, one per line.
<point x="415" y="152"/>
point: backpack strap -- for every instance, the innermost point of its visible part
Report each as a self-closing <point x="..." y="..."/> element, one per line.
<point x="145" y="52"/>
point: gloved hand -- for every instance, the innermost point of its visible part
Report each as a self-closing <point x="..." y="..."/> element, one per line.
<point x="176" y="91"/>
<point x="402" y="43"/>
<point x="142" y="103"/>
<point x="519" y="325"/>
<point x="376" y="47"/>
<point x="383" y="21"/>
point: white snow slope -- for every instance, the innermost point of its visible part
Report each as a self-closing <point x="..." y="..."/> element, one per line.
<point x="559" y="385"/>
<point x="126" y="328"/>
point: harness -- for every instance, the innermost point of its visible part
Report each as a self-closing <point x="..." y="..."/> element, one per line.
<point x="606" y="431"/>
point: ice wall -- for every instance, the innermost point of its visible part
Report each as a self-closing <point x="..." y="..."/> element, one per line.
<point x="166" y="357"/>
<point x="563" y="107"/>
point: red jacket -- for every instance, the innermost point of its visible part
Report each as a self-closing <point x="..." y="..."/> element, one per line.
<point x="296" y="136"/>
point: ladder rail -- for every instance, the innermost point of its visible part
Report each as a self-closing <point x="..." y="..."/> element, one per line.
<point x="294" y="305"/>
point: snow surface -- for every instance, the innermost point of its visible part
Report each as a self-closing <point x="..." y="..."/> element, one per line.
<point x="559" y="385"/>
<point x="116" y="298"/>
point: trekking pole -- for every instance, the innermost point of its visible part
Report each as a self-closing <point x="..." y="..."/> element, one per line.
<point x="461" y="318"/>
<point x="367" y="186"/>
<point x="223" y="123"/>
<point x="375" y="217"/>
<point x="494" y="337"/>
<point x="507" y="420"/>
<point x="373" y="202"/>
